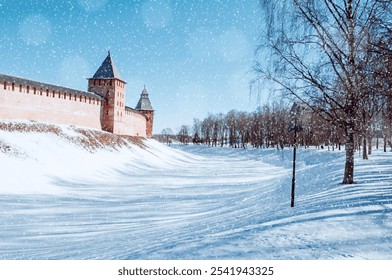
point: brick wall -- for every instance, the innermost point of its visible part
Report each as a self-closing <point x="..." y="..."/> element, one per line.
<point x="133" y="124"/>
<point x="64" y="108"/>
<point x="49" y="106"/>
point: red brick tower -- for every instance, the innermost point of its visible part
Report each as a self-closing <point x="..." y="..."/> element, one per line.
<point x="144" y="107"/>
<point x="108" y="83"/>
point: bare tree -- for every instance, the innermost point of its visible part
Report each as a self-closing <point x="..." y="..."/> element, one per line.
<point x="196" y="130"/>
<point x="316" y="48"/>
<point x="232" y="124"/>
<point x="167" y="133"/>
<point x="382" y="49"/>
<point x="183" y="135"/>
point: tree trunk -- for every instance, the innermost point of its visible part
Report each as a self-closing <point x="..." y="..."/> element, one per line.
<point x="364" y="152"/>
<point x="385" y="145"/>
<point x="349" y="165"/>
<point x="350" y="94"/>
<point x="370" y="146"/>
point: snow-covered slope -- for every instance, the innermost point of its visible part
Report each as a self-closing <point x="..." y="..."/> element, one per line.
<point x="60" y="200"/>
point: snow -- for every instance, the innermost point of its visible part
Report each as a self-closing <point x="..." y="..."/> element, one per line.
<point x="60" y="201"/>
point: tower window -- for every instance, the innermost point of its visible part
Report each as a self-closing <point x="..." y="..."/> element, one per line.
<point x="20" y="87"/>
<point x="28" y="89"/>
<point x="5" y="85"/>
<point x="13" y="86"/>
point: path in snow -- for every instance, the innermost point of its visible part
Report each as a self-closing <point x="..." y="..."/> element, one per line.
<point x="203" y="203"/>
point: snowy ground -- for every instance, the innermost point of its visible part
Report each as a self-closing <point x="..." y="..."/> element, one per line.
<point x="59" y="201"/>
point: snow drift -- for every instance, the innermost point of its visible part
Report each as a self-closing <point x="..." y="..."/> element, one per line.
<point x="70" y="193"/>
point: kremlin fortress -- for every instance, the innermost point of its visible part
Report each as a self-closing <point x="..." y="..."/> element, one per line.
<point x="101" y="107"/>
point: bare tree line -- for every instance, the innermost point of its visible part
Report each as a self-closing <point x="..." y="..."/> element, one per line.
<point x="268" y="127"/>
<point x="333" y="56"/>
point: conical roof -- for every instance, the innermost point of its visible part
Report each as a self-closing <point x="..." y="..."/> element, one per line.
<point x="144" y="102"/>
<point x="107" y="70"/>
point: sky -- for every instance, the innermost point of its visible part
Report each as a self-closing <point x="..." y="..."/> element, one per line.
<point x="194" y="57"/>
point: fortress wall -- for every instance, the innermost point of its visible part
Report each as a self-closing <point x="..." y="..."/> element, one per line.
<point x="50" y="106"/>
<point x="133" y="124"/>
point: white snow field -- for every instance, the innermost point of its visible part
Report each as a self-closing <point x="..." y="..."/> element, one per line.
<point x="60" y="201"/>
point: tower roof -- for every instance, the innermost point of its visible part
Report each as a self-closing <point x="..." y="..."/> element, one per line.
<point x="107" y="70"/>
<point x="144" y="102"/>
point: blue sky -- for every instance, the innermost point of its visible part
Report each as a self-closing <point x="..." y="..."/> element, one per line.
<point x="194" y="57"/>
